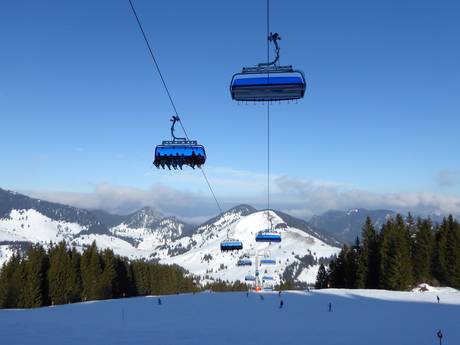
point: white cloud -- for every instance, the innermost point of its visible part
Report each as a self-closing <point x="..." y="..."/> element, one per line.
<point x="296" y="196"/>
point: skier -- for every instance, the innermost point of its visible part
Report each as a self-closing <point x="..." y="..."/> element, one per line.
<point x="281" y="304"/>
<point x="247" y="294"/>
<point x="261" y="297"/>
<point x="330" y="306"/>
<point x="437" y="297"/>
<point x="159" y="301"/>
<point x="279" y="293"/>
<point x="439" y="334"/>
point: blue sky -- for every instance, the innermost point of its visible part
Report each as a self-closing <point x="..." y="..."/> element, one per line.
<point x="82" y="108"/>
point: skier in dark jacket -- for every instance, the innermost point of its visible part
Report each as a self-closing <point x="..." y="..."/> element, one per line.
<point x="159" y="301"/>
<point x="281" y="304"/>
<point x="330" y="306"/>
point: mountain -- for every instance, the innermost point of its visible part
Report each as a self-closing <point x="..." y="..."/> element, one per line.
<point x="11" y="202"/>
<point x="148" y="229"/>
<point x="298" y="253"/>
<point x="109" y="219"/>
<point x="148" y="234"/>
<point x="347" y="225"/>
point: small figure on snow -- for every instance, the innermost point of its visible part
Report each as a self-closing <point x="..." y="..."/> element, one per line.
<point x="261" y="297"/>
<point x="281" y="304"/>
<point x="439" y="300"/>
<point x="439" y="334"/>
<point x="330" y="306"/>
<point x="279" y="293"/>
<point x="159" y="301"/>
<point x="247" y="294"/>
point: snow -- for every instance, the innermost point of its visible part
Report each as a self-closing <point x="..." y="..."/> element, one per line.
<point x="33" y="226"/>
<point x="135" y="240"/>
<point x="294" y="243"/>
<point x="358" y="317"/>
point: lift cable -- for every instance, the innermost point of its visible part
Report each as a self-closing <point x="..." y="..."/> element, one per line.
<point x="170" y="97"/>
<point x="268" y="120"/>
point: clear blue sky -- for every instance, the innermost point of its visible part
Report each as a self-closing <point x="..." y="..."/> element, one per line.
<point x="81" y="105"/>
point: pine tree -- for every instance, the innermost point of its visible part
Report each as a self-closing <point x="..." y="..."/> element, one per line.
<point x="453" y="253"/>
<point x="396" y="263"/>
<point x="338" y="269"/>
<point x="109" y="283"/>
<point x="322" y="278"/>
<point x="11" y="284"/>
<point x="439" y="256"/>
<point x="77" y="285"/>
<point x="368" y="272"/>
<point x="60" y="275"/>
<point x="91" y="270"/>
<point x="423" y="251"/>
<point x="35" y="293"/>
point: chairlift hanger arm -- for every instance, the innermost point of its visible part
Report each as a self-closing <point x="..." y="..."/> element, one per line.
<point x="273" y="37"/>
<point x="175" y="119"/>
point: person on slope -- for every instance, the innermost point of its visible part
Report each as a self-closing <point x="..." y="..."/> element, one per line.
<point x="159" y="301"/>
<point x="281" y="304"/>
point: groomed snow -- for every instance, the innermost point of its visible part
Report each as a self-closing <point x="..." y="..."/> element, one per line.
<point x="358" y="317"/>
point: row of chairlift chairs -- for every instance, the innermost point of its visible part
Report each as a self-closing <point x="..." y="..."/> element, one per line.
<point x="266" y="279"/>
<point x="265" y="82"/>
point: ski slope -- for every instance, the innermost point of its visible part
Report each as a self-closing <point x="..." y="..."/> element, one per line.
<point x="295" y="243"/>
<point x="358" y="317"/>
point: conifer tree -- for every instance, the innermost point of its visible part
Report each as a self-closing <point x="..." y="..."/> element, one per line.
<point x="395" y="265"/>
<point x="439" y="255"/>
<point x="367" y="271"/>
<point x="453" y="253"/>
<point x="11" y="284"/>
<point x="423" y="251"/>
<point x="338" y="269"/>
<point x="60" y="275"/>
<point x="91" y="270"/>
<point x="77" y="285"/>
<point x="109" y="282"/>
<point x="35" y="293"/>
<point x="322" y="278"/>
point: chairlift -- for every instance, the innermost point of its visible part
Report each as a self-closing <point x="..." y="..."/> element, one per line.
<point x="268" y="81"/>
<point x="178" y="152"/>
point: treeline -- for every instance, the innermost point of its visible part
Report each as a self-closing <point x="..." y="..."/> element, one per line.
<point x="223" y="286"/>
<point x="61" y="275"/>
<point x="404" y="253"/>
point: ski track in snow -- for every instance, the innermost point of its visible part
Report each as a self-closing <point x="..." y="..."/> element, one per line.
<point x="358" y="317"/>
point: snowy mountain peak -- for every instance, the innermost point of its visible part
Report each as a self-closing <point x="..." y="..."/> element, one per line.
<point x="146" y="217"/>
<point x="203" y="255"/>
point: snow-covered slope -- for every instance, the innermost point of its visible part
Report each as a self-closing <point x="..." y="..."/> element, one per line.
<point x="205" y="257"/>
<point x="147" y="229"/>
<point x="358" y="317"/>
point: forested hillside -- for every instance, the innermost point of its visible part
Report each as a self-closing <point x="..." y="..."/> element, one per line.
<point x="404" y="253"/>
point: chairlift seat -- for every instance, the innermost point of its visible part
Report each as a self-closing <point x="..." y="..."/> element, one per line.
<point x="275" y="84"/>
<point x="231" y="245"/>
